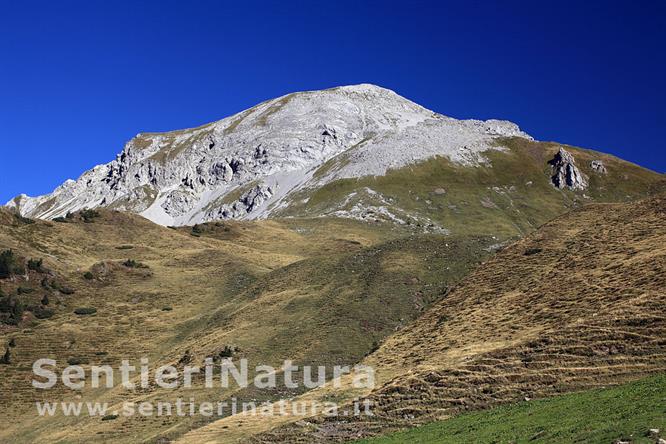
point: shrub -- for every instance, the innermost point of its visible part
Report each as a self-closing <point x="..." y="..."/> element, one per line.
<point x="167" y="308"/>
<point x="83" y="311"/>
<point x="24" y="290"/>
<point x="23" y="220"/>
<point x="109" y="417"/>
<point x="124" y="247"/>
<point x="10" y="264"/>
<point x="45" y="300"/>
<point x="227" y="351"/>
<point x="88" y="215"/>
<point x="14" y="309"/>
<point x="131" y="263"/>
<point x="66" y="290"/>
<point x="77" y="360"/>
<point x="36" y="265"/>
<point x="88" y="276"/>
<point x="43" y="312"/>
<point x="7" y="357"/>
<point x="59" y="219"/>
<point x="373" y="348"/>
<point x="58" y="286"/>
<point x="531" y="251"/>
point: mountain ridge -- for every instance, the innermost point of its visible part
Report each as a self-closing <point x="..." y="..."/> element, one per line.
<point x="266" y="152"/>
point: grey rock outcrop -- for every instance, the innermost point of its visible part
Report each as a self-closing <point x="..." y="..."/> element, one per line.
<point x="246" y="204"/>
<point x="566" y="173"/>
<point x="598" y="166"/>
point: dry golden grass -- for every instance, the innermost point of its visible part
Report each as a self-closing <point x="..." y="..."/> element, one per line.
<point x="308" y="290"/>
<point x="585" y="310"/>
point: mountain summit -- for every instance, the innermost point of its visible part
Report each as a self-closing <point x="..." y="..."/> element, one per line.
<point x="248" y="165"/>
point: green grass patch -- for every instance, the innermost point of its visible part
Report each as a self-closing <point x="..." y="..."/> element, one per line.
<point x="508" y="196"/>
<point x="626" y="413"/>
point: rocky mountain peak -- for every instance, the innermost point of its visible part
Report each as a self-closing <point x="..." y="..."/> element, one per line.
<point x="246" y="165"/>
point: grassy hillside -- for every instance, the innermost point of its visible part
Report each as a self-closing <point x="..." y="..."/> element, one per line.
<point x="625" y="413"/>
<point x="508" y="196"/>
<point x="576" y="305"/>
<point x="321" y="291"/>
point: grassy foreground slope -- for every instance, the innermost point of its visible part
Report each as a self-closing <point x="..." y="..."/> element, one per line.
<point x="624" y="413"/>
<point x="576" y="305"/>
<point x="322" y="290"/>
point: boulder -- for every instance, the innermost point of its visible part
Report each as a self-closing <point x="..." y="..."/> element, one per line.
<point x="598" y="166"/>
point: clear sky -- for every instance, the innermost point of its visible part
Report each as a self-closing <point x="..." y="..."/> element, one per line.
<point x="80" y="78"/>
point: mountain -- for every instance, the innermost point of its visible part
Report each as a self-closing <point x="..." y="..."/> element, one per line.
<point x="361" y="152"/>
<point x="332" y="227"/>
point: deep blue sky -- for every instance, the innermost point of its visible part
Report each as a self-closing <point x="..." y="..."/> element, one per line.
<point x="79" y="79"/>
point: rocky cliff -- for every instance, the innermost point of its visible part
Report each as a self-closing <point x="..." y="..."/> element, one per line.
<point x="245" y="165"/>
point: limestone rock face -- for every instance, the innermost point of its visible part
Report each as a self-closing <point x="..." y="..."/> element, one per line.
<point x="598" y="166"/>
<point x="566" y="173"/>
<point x="251" y="164"/>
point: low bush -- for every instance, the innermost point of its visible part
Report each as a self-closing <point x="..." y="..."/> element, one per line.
<point x="131" y="263"/>
<point x="531" y="251"/>
<point x="12" y="309"/>
<point x="373" y="348"/>
<point x="83" y="311"/>
<point x="36" y="265"/>
<point x="23" y="220"/>
<point x="77" y="360"/>
<point x="109" y="417"/>
<point x="55" y="285"/>
<point x="7" y="357"/>
<point x="43" y="312"/>
<point x="10" y="264"/>
<point x="88" y="276"/>
<point x="227" y="352"/>
<point x="88" y="215"/>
